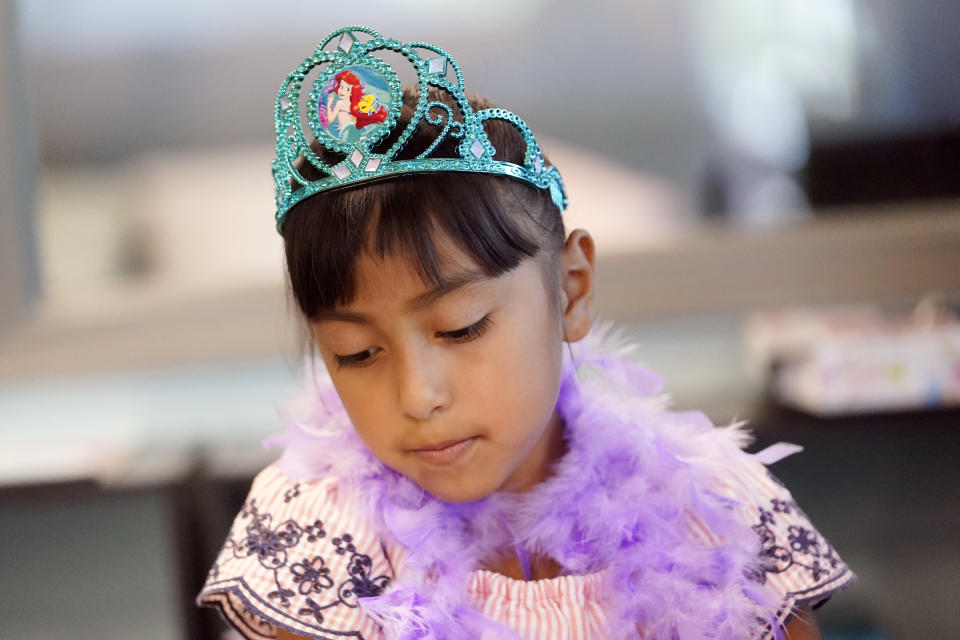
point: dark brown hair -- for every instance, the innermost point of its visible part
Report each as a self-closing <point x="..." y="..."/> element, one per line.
<point x="497" y="220"/>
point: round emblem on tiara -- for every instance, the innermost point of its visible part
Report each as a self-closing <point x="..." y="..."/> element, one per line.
<point x="352" y="102"/>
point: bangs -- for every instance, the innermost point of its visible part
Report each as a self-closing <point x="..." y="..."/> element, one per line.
<point x="325" y="236"/>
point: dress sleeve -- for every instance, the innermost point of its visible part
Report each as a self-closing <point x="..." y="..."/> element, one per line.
<point x="796" y="562"/>
<point x="297" y="557"/>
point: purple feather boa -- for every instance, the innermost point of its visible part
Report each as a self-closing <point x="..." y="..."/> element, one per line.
<point x="618" y="502"/>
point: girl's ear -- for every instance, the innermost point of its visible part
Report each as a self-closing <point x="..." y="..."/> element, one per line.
<point x="576" y="284"/>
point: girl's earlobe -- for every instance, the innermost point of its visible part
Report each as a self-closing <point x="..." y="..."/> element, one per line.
<point x="577" y="283"/>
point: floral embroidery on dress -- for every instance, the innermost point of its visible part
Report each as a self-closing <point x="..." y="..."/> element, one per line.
<point x="344" y="544"/>
<point x="269" y="544"/>
<point x="360" y="584"/>
<point x="308" y="577"/>
<point x="291" y="493"/>
<point x="312" y="575"/>
<point x="315" y="531"/>
<point x="804" y="547"/>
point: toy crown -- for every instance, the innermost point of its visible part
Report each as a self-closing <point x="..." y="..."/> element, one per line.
<point x="355" y="103"/>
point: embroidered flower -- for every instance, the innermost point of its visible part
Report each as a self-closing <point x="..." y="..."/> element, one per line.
<point x="782" y="506"/>
<point x="291" y="493"/>
<point x="344" y="544"/>
<point x="360" y="585"/>
<point x="803" y="540"/>
<point x="807" y="550"/>
<point x="270" y="545"/>
<point x="773" y="557"/>
<point x="311" y="575"/>
<point x="816" y="570"/>
<point x="315" y="531"/>
<point x="830" y="555"/>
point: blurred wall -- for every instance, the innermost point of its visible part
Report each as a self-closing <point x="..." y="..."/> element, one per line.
<point x="631" y="80"/>
<point x="20" y="283"/>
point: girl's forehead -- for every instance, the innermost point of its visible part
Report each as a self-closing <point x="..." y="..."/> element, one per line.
<point x="397" y="273"/>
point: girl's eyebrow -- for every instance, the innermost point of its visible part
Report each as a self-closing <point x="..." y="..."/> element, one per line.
<point x="450" y="284"/>
<point x="342" y="316"/>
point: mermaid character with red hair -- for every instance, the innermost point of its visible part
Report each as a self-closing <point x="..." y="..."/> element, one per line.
<point x="349" y="108"/>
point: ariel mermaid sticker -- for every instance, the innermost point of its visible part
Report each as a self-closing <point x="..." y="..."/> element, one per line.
<point x="351" y="100"/>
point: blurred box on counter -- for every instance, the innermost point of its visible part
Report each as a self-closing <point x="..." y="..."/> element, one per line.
<point x="850" y="360"/>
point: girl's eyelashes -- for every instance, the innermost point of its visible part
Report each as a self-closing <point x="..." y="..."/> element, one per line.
<point x="358" y="359"/>
<point x="467" y="334"/>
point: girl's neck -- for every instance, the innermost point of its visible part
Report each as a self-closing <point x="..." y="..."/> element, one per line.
<point x="537" y="467"/>
<point x="518" y="568"/>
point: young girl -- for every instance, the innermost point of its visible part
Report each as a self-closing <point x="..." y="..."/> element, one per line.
<point x="473" y="457"/>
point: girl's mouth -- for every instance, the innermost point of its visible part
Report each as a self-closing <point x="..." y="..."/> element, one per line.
<point x="444" y="453"/>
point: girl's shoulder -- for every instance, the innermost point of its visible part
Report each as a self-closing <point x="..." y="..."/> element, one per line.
<point x="796" y="561"/>
<point x="297" y="556"/>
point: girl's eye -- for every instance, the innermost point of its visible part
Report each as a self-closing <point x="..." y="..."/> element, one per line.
<point x="356" y="359"/>
<point x="467" y="333"/>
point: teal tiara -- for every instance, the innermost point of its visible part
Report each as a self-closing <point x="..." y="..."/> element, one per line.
<point x="355" y="102"/>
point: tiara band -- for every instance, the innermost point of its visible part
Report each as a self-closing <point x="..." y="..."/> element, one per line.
<point x="355" y="102"/>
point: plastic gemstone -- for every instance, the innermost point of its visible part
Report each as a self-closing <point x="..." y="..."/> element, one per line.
<point x="356" y="157"/>
<point x="341" y="171"/>
<point x="476" y="148"/>
<point x="372" y="164"/>
<point x="346" y="42"/>
<point x="437" y="65"/>
<point x="537" y="164"/>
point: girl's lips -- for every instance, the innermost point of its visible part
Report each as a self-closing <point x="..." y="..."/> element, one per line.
<point x="445" y="453"/>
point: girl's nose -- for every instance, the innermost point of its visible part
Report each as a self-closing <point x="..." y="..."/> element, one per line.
<point x="422" y="384"/>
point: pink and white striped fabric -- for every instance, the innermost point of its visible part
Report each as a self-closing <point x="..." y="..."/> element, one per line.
<point x="566" y="608"/>
<point x="298" y="557"/>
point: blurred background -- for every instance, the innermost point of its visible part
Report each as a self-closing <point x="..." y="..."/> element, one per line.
<point x="772" y="184"/>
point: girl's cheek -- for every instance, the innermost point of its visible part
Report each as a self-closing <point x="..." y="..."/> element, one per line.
<point x="365" y="399"/>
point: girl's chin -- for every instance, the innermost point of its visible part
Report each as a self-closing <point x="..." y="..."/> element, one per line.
<point x="461" y="491"/>
<point x="458" y="498"/>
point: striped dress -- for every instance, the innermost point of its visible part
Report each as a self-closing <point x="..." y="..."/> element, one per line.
<point x="298" y="557"/>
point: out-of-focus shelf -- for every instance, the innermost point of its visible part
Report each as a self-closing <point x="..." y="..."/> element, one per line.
<point x="138" y="326"/>
<point x="891" y="254"/>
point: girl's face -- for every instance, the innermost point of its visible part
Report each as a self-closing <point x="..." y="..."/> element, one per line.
<point x="456" y="389"/>
<point x="343" y="89"/>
